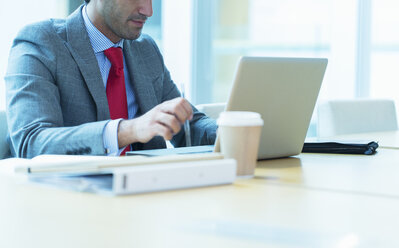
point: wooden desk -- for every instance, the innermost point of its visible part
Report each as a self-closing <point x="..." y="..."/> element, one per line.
<point x="309" y="201"/>
<point x="239" y="215"/>
<point x="359" y="174"/>
<point x="389" y="139"/>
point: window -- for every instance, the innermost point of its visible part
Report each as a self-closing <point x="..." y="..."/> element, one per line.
<point x="153" y="26"/>
<point x="308" y="28"/>
<point x="287" y="28"/>
<point x="267" y="28"/>
<point x="357" y="36"/>
<point x="384" y="73"/>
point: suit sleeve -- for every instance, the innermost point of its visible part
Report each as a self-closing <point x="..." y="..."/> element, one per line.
<point x="34" y="113"/>
<point x="203" y="128"/>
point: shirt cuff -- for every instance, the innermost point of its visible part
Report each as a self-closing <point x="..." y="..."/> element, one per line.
<point x="110" y="138"/>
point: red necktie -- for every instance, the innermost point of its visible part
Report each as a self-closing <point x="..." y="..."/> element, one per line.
<point x="116" y="89"/>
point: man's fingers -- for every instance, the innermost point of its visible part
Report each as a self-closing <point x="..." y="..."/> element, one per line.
<point x="188" y="109"/>
<point x="179" y="107"/>
<point x="169" y="121"/>
<point x="164" y="120"/>
<point x="163" y="131"/>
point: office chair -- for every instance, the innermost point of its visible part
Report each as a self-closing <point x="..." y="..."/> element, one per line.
<point x="4" y="148"/>
<point x="356" y="116"/>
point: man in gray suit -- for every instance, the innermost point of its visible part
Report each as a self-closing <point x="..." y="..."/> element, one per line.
<point x="57" y="86"/>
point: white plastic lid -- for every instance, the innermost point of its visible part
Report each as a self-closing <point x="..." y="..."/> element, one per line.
<point x="239" y="118"/>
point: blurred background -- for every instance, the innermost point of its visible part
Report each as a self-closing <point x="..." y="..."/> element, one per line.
<point x="202" y="40"/>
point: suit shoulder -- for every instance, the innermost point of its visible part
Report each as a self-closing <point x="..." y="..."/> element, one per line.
<point x="41" y="40"/>
<point x="48" y="30"/>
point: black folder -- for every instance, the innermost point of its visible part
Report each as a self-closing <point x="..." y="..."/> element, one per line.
<point x="341" y="148"/>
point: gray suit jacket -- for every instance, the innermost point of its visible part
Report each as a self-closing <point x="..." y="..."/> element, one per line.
<point x="56" y="100"/>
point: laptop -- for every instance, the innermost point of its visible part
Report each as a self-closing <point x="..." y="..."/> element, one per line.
<point x="283" y="90"/>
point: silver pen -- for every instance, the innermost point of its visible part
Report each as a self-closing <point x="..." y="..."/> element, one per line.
<point x="187" y="131"/>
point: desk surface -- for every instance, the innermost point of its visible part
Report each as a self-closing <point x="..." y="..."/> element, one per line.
<point x="294" y="202"/>
<point x="240" y="215"/>
<point x="359" y="174"/>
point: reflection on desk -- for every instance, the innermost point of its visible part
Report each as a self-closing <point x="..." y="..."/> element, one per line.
<point x="241" y="215"/>
<point x="373" y="175"/>
<point x="287" y="170"/>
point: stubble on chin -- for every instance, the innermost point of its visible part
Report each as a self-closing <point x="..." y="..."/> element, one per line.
<point x="133" y="34"/>
<point x="127" y="33"/>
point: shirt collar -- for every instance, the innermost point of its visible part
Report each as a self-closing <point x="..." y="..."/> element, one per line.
<point x="98" y="40"/>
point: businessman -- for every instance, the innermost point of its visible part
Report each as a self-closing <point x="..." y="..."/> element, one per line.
<point x="93" y="84"/>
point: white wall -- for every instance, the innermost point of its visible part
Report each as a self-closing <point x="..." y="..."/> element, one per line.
<point x="341" y="71"/>
<point x="177" y="40"/>
<point x="16" y="14"/>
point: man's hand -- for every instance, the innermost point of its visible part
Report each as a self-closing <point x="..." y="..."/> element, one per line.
<point x="163" y="120"/>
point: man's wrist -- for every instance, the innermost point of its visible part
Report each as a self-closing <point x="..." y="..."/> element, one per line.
<point x="126" y="135"/>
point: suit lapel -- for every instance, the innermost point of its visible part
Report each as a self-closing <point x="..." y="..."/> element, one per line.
<point x="142" y="82"/>
<point x="79" y="45"/>
<point x="139" y="77"/>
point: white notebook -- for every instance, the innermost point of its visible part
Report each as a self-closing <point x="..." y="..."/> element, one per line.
<point x="129" y="175"/>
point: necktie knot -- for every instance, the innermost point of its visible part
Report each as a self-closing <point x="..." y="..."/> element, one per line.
<point x="115" y="56"/>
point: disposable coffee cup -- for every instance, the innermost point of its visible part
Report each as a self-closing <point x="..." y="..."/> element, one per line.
<point x="239" y="133"/>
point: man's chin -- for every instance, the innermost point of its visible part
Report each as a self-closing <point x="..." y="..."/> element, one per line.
<point x="133" y="35"/>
